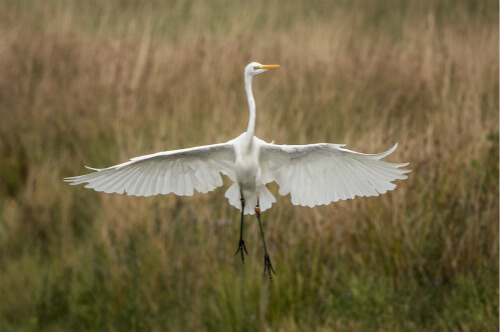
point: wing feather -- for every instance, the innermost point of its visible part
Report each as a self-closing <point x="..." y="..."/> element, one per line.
<point x="178" y="171"/>
<point x="318" y="174"/>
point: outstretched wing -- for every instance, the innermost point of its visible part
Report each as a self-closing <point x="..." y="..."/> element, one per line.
<point x="322" y="173"/>
<point x="178" y="171"/>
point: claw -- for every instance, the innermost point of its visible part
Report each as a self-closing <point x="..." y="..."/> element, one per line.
<point x="268" y="266"/>
<point x="241" y="248"/>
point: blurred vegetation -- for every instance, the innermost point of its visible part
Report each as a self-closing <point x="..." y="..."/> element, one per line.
<point x="97" y="82"/>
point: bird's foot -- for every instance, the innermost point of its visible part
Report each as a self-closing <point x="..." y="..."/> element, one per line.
<point x="241" y="248"/>
<point x="268" y="266"/>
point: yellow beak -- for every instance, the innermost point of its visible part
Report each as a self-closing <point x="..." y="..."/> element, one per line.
<point x="269" y="66"/>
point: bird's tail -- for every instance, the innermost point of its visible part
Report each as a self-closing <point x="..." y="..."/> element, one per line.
<point x="266" y="199"/>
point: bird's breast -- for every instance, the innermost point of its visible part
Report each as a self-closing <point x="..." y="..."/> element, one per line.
<point x="247" y="168"/>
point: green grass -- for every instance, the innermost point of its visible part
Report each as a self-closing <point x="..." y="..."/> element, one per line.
<point x="95" y="83"/>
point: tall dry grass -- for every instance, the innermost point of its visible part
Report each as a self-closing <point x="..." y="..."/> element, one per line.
<point x="95" y="83"/>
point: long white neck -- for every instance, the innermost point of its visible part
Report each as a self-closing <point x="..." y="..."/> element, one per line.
<point x="251" y="109"/>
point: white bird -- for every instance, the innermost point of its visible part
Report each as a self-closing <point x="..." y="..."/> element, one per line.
<point x="313" y="174"/>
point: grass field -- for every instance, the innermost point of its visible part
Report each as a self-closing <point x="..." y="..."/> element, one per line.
<point x="98" y="82"/>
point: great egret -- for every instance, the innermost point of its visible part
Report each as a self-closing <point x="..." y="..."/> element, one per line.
<point x="313" y="174"/>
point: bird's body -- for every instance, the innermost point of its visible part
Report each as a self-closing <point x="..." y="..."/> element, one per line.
<point x="246" y="165"/>
<point x="313" y="174"/>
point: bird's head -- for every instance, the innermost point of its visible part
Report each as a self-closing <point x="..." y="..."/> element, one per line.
<point x="255" y="68"/>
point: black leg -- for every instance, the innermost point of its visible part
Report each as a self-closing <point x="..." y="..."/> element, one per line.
<point x="267" y="261"/>
<point x="241" y="244"/>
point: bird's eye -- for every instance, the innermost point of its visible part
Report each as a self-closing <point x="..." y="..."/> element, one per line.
<point x="256" y="67"/>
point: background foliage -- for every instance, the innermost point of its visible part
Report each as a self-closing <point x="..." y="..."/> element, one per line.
<point x="97" y="82"/>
